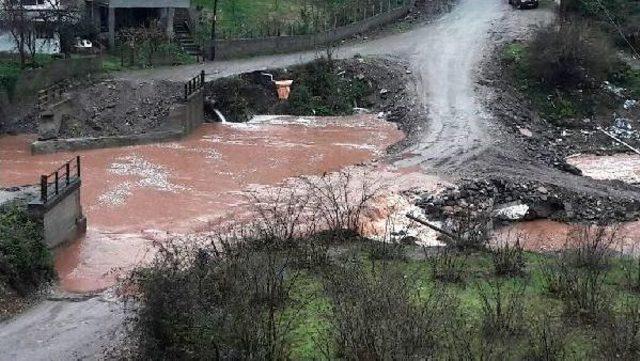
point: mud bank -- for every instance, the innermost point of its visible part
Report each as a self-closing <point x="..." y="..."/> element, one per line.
<point x="622" y="167"/>
<point x="134" y="196"/>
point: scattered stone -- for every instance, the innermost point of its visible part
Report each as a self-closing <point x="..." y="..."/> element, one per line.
<point x="526" y="132"/>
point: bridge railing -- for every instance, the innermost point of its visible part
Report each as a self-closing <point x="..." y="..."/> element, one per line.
<point x="54" y="183"/>
<point x="196" y="83"/>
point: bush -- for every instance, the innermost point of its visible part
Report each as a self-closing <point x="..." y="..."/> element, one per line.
<point x="448" y="266"/>
<point x="224" y="303"/>
<point x="570" y="55"/>
<point x="25" y="262"/>
<point x="547" y="341"/>
<point x="509" y="260"/>
<point x="378" y="315"/>
<point x="502" y="308"/>
<point x="470" y="231"/>
<point x="385" y="251"/>
<point x="578" y="275"/>
<point x="621" y="339"/>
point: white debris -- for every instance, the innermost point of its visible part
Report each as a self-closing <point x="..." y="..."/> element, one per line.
<point x="512" y="212"/>
<point x="630" y="103"/>
<point x="618" y="91"/>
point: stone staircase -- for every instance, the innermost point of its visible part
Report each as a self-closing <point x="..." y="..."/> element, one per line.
<point x="183" y="34"/>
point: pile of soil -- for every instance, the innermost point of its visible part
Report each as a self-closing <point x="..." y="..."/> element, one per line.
<point x="384" y="90"/>
<point x="119" y="107"/>
<point x="543" y="201"/>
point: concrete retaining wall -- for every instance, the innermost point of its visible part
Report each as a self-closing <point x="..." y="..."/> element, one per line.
<point x="190" y="115"/>
<point x="183" y="119"/>
<point x="236" y="48"/>
<point x="61" y="216"/>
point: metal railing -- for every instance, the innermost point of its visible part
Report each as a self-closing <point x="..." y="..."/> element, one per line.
<point x="50" y="94"/>
<point x="193" y="85"/>
<point x="53" y="184"/>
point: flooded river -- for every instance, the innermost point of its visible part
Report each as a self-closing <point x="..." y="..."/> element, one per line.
<point x="134" y="196"/>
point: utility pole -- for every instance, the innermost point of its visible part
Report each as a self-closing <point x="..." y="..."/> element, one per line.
<point x="213" y="30"/>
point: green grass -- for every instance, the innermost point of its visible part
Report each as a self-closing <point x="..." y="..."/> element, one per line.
<point x="312" y="321"/>
<point x="261" y="18"/>
<point x="10" y="70"/>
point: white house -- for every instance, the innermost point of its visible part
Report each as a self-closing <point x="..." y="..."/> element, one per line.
<point x="46" y="40"/>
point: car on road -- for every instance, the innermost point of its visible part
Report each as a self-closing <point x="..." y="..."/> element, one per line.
<point x="521" y="4"/>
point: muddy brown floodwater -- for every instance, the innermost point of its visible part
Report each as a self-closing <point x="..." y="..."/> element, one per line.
<point x="134" y="196"/>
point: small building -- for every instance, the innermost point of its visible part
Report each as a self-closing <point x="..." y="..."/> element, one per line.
<point x="109" y="16"/>
<point x="43" y="37"/>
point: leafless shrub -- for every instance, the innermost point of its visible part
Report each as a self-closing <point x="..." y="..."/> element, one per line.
<point x="502" y="308"/>
<point x="577" y="275"/>
<point x="221" y="302"/>
<point x="632" y="273"/>
<point x="339" y="200"/>
<point x="448" y="266"/>
<point x="592" y="246"/>
<point x="379" y="315"/>
<point x="508" y="260"/>
<point x="471" y="230"/>
<point x="385" y="251"/>
<point x="547" y="340"/>
<point x="621" y="339"/>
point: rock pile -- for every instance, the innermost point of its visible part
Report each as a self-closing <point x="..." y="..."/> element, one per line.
<point x="542" y="201"/>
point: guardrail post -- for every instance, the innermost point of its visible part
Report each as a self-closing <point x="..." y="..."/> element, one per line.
<point x="202" y="78"/>
<point x="78" y="165"/>
<point x="68" y="170"/>
<point x="43" y="188"/>
<point x="57" y="188"/>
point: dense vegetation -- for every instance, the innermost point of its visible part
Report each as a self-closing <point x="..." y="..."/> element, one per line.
<point x="10" y="70"/>
<point x="25" y="262"/>
<point x="564" y="67"/>
<point x="322" y="87"/>
<point x="260" y="18"/>
<point x="279" y="289"/>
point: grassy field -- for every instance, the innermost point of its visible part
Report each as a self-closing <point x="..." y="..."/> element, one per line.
<point x="259" y="18"/>
<point x="361" y="299"/>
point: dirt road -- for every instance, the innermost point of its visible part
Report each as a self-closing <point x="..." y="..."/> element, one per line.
<point x="61" y="330"/>
<point x="445" y="56"/>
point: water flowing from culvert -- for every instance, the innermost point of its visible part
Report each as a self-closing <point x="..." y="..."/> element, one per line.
<point x="220" y="116"/>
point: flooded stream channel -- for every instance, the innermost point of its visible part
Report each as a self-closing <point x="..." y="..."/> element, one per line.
<point x="135" y="196"/>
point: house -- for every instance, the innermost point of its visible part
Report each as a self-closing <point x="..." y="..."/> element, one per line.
<point x="42" y="37"/>
<point x="109" y="16"/>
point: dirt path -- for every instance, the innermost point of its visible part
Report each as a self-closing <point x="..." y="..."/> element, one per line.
<point x="61" y="330"/>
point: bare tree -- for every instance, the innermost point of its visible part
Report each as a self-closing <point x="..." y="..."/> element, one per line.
<point x="14" y="18"/>
<point x="24" y="24"/>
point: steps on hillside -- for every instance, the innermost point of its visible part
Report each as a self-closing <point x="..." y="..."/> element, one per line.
<point x="183" y="35"/>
